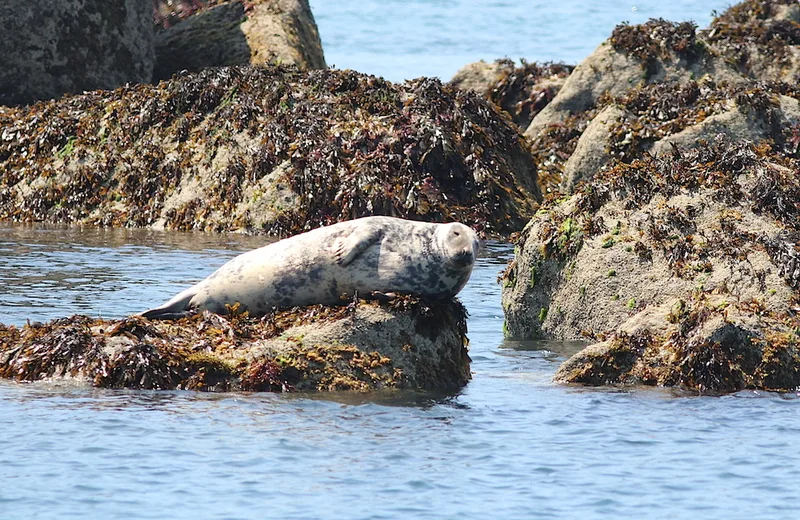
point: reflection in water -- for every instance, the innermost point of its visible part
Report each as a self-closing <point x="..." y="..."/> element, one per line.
<point x="562" y="349"/>
<point x="48" y="272"/>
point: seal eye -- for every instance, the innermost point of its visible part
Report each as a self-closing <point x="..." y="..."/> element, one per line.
<point x="456" y="233"/>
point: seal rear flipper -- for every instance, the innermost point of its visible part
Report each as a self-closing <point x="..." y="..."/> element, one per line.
<point x="347" y="248"/>
<point x="177" y="307"/>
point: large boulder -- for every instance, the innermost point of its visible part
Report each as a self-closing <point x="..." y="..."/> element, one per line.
<point x="668" y="78"/>
<point x="238" y="33"/>
<point x="266" y="149"/>
<point x="51" y="48"/>
<point x="364" y="346"/>
<point x="696" y="253"/>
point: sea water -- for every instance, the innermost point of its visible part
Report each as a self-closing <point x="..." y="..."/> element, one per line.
<point x="511" y="444"/>
<point x="404" y="39"/>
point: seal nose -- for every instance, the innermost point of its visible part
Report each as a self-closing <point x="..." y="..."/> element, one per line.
<point x="464" y="257"/>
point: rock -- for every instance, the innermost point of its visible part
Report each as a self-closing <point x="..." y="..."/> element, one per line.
<point x="650" y="53"/>
<point x="710" y="346"/>
<point x="481" y="77"/>
<point x="521" y="91"/>
<point x="677" y="85"/>
<point x="654" y="118"/>
<point x="695" y="253"/>
<point x="760" y="39"/>
<point x="591" y="153"/>
<point x="266" y="149"/>
<point x="238" y="33"/>
<point x="51" y="48"/>
<point x="365" y="346"/>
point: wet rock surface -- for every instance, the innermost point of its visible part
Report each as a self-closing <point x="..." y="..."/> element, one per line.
<point x="406" y="343"/>
<point x="265" y="149"/>
<point x="664" y="261"/>
<point x="197" y="35"/>
<point x="52" y="48"/>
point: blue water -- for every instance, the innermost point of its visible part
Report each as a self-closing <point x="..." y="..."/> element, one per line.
<point x="509" y="445"/>
<point x="402" y="39"/>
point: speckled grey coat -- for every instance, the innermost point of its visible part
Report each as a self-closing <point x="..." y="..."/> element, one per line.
<point x="323" y="266"/>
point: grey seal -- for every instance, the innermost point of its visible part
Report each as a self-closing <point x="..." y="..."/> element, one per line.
<point x="370" y="255"/>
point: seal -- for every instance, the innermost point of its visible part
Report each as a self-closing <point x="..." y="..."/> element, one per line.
<point x="328" y="265"/>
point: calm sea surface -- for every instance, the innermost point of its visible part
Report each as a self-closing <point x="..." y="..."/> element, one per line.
<point x="509" y="445"/>
<point x="402" y="39"/>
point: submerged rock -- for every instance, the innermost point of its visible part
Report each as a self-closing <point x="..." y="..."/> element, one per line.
<point x="685" y="270"/>
<point x="236" y="33"/>
<point x="406" y="343"/>
<point x="51" y="48"/>
<point x="265" y="149"/>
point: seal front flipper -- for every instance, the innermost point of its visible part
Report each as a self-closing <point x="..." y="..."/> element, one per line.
<point x="177" y="307"/>
<point x="347" y="248"/>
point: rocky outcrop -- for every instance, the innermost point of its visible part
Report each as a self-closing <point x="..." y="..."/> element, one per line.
<point x="364" y="346"/>
<point x="237" y="33"/>
<point x="51" y="48"/>
<point x="684" y="270"/>
<point x="670" y="79"/>
<point x="265" y="149"/>
<point x="521" y="91"/>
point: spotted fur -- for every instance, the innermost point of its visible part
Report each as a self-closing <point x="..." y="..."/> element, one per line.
<point x="332" y="263"/>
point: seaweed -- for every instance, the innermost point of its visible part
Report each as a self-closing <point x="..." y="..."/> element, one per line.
<point x="348" y="145"/>
<point x="207" y="351"/>
<point x="748" y="34"/>
<point x="657" y="39"/>
<point x="524" y="91"/>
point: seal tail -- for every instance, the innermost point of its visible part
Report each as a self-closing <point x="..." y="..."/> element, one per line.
<point x="177" y="307"/>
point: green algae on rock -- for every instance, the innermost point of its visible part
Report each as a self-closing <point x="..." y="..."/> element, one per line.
<point x="717" y="226"/>
<point x="406" y="343"/>
<point x="265" y="149"/>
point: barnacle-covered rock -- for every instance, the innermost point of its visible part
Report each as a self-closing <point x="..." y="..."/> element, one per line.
<point x="51" y="48"/>
<point x="406" y="343"/>
<point x="694" y="253"/>
<point x="266" y="149"/>
<point x="216" y="34"/>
